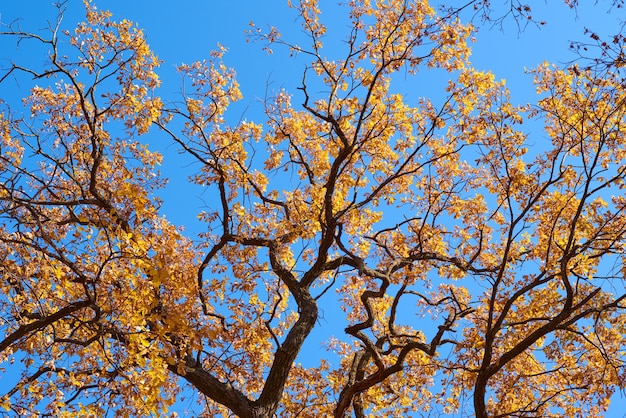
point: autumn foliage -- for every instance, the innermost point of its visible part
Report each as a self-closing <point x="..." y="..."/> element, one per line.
<point x="479" y="268"/>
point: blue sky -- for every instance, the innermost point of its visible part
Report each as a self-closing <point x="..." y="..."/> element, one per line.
<point x="186" y="30"/>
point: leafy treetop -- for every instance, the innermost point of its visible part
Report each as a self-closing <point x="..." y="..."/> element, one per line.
<point x="468" y="264"/>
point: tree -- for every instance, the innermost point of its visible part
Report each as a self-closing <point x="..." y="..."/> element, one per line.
<point x="471" y="259"/>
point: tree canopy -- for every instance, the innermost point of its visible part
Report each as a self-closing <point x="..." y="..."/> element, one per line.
<point x="478" y="266"/>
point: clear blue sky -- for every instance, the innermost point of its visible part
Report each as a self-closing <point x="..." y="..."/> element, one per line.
<point x="186" y="30"/>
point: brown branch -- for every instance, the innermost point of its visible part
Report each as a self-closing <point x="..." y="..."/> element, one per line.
<point x="26" y="329"/>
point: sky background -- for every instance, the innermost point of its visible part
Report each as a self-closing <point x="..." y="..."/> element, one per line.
<point x="184" y="31"/>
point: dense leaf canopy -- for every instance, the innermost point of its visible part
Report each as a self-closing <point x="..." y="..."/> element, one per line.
<point x="473" y="263"/>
